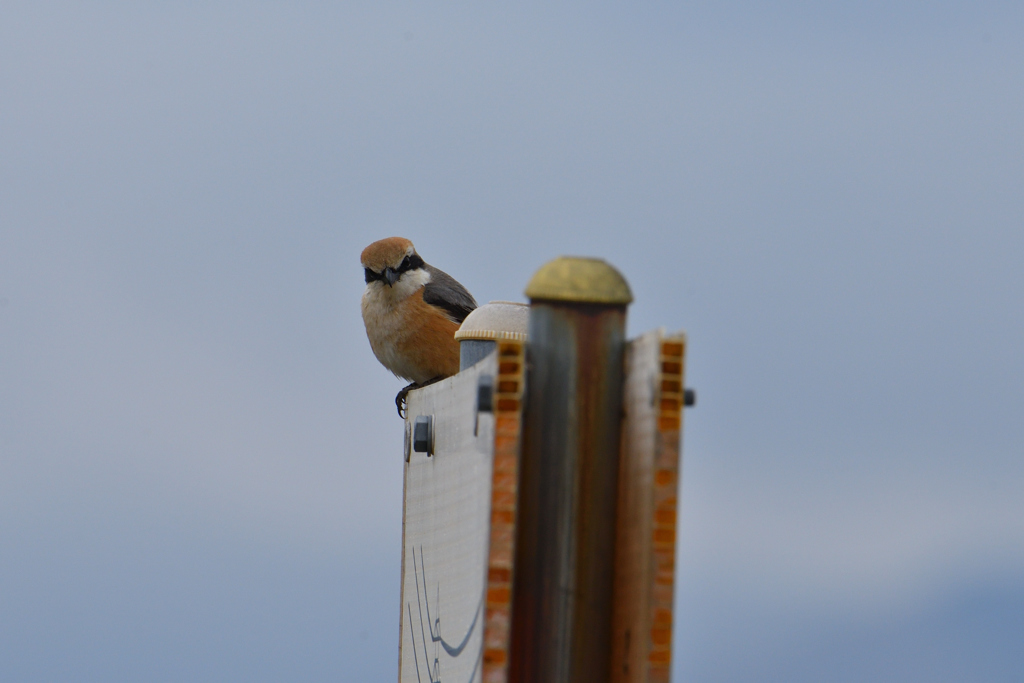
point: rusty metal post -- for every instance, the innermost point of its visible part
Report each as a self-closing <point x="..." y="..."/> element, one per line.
<point x="565" y="540"/>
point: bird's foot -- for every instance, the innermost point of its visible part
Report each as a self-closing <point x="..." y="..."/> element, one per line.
<point x="400" y="401"/>
<point x="400" y="398"/>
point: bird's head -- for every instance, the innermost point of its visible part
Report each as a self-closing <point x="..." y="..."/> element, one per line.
<point x="388" y="260"/>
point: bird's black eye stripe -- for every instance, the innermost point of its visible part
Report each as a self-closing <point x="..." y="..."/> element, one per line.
<point x="410" y="263"/>
<point x="371" y="276"/>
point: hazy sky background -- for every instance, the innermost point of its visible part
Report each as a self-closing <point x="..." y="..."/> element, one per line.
<point x="200" y="464"/>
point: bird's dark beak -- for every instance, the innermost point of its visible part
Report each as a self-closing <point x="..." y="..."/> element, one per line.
<point x="390" y="276"/>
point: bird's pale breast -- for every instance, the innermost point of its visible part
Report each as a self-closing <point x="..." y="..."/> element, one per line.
<point x="410" y="337"/>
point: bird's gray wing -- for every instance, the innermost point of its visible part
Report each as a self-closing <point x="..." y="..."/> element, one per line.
<point x="446" y="293"/>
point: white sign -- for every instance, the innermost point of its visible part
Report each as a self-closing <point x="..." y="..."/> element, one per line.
<point x="446" y="532"/>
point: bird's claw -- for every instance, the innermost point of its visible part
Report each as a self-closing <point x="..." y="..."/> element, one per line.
<point x="400" y="401"/>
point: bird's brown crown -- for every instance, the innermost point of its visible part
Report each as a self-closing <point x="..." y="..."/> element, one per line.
<point x="386" y="252"/>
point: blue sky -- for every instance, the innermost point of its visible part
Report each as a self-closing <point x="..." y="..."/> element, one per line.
<point x="199" y="460"/>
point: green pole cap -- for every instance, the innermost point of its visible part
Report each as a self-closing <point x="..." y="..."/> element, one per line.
<point x="585" y="280"/>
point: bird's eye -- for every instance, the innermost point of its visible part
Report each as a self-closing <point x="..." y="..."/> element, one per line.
<point x="405" y="265"/>
<point x="371" y="276"/>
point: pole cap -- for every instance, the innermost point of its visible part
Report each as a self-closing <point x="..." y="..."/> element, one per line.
<point x="496" y="320"/>
<point x="584" y="280"/>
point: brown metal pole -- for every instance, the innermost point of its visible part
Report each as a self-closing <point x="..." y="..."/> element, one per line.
<point x="565" y="541"/>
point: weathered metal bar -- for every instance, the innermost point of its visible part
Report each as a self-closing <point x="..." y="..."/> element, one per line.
<point x="649" y="471"/>
<point x="565" y="547"/>
<point x="508" y="401"/>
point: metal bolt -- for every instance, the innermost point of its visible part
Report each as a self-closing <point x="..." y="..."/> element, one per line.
<point x="485" y="394"/>
<point x="423" y="434"/>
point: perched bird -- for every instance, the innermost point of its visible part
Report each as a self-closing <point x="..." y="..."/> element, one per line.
<point x="411" y="311"/>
